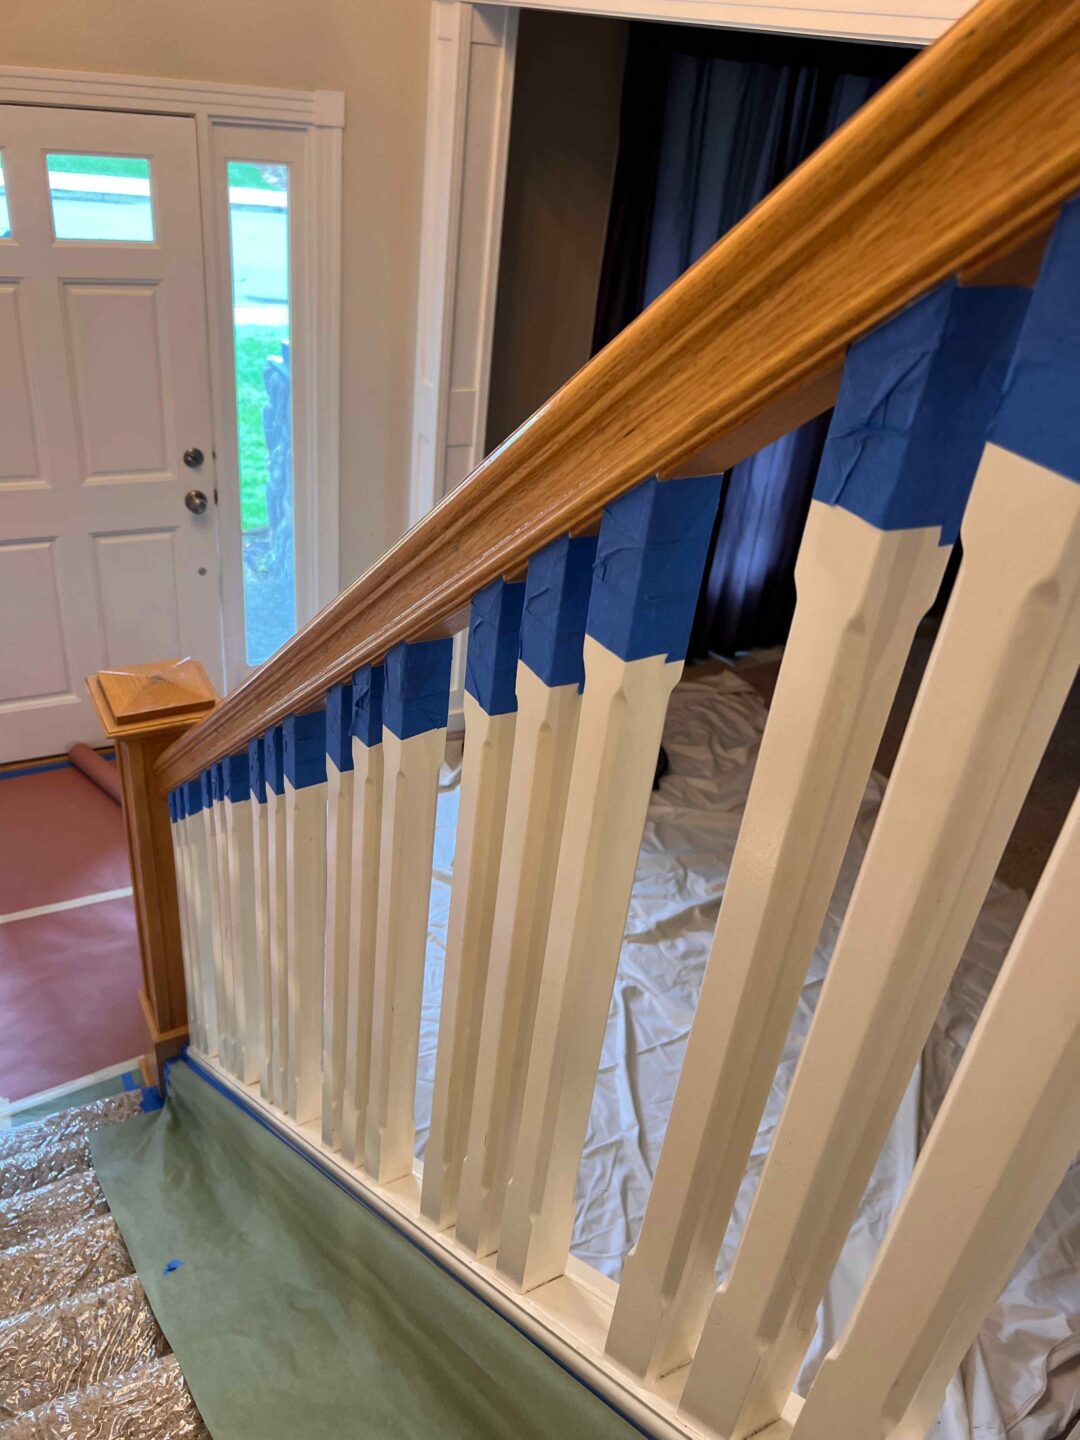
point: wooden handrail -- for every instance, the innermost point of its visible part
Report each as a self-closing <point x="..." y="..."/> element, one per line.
<point x="968" y="152"/>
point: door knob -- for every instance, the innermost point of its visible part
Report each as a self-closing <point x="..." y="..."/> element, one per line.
<point x="193" y="458"/>
<point x="196" y="502"/>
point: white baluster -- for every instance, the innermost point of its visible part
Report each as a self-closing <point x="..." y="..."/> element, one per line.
<point x="305" y="846"/>
<point x="863" y="584"/>
<point x="415" y="705"/>
<point x="339" y="805"/>
<point x="1006" y="1134"/>
<point x="212" y="899"/>
<point x="178" y="821"/>
<point x="1003" y="663"/>
<point x="198" y="866"/>
<point x="277" y="866"/>
<point x="650" y="555"/>
<point x="489" y="703"/>
<point x="367" y="756"/>
<point x="548" y="689"/>
<point x="260" y="840"/>
<point x="240" y="869"/>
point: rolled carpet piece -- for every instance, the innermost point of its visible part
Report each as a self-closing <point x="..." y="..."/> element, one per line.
<point x="96" y="768"/>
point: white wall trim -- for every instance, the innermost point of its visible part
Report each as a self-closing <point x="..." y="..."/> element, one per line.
<point x="910" y="22"/>
<point x="317" y="117"/>
<point x="27" y="86"/>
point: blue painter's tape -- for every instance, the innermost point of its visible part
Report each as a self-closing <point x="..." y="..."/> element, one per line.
<point x="237" y="777"/>
<point x="171" y="1265"/>
<point x="151" y="1100"/>
<point x="172" y="806"/>
<point x="339" y="706"/>
<point x="193" y="801"/>
<point x="494" y="637"/>
<point x="649" y="558"/>
<point x="305" y="749"/>
<point x="367" y="717"/>
<point x="274" y="758"/>
<point x="206" y="780"/>
<point x="1039" y="417"/>
<point x="915" y="403"/>
<point x="416" y="695"/>
<point x="217" y="771"/>
<point x="557" y="589"/>
<point x="257" y="769"/>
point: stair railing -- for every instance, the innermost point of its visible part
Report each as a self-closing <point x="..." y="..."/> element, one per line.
<point x="905" y="274"/>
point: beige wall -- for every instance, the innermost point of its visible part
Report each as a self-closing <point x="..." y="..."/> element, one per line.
<point x="564" y="134"/>
<point x="376" y="52"/>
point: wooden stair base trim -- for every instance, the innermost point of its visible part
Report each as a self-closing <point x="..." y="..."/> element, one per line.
<point x="164" y="1044"/>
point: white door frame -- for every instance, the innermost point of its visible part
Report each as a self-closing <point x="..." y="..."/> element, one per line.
<point x="470" y="89"/>
<point x="318" y="118"/>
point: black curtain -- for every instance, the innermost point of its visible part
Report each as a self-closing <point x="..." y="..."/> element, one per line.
<point x="711" y="121"/>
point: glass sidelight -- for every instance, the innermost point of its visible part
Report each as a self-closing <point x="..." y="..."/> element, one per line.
<point x="259" y="250"/>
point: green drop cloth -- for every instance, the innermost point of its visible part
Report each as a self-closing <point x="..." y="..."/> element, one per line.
<point x="298" y="1314"/>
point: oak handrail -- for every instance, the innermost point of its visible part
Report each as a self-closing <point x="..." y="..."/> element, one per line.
<point x="964" y="155"/>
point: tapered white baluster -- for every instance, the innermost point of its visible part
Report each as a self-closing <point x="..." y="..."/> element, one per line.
<point x="339" y="804"/>
<point x="415" y="706"/>
<point x="550" y="674"/>
<point x="198" y="864"/>
<point x="1006" y="1134"/>
<point x="649" y="560"/>
<point x="367" y="756"/>
<point x="261" y="899"/>
<point x="230" y="1036"/>
<point x="240" y="858"/>
<point x="212" y="878"/>
<point x="1001" y="668"/>
<point x="178" y="821"/>
<point x="871" y="561"/>
<point x="277" y="867"/>
<point x="305" y="845"/>
<point x="491" y="663"/>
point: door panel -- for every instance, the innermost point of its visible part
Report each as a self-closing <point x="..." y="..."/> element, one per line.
<point x="114" y="341"/>
<point x="104" y="373"/>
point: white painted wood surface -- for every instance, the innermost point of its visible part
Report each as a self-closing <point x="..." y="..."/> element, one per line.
<point x="305" y="866"/>
<point x="1006" y="1134"/>
<point x="106" y="383"/>
<point x="622" y="718"/>
<point x="277" y="867"/>
<point x="260" y="855"/>
<point x="363" y="914"/>
<point x="1005" y="657"/>
<point x="202" y="919"/>
<point x="469" y="89"/>
<point x="861" y="593"/>
<point x="339" y="823"/>
<point x="224" y="950"/>
<point x="478" y="855"/>
<point x="545" y="734"/>
<point x="187" y="926"/>
<point x="217" y="916"/>
<point x="410" y="786"/>
<point x="247" y="989"/>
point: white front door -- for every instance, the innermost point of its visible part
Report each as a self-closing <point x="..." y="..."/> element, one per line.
<point x="104" y="386"/>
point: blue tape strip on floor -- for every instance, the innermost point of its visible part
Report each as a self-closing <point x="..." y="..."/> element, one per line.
<point x="215" y="1084"/>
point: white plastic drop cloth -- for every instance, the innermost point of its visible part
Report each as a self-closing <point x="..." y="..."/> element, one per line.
<point x="1022" y="1378"/>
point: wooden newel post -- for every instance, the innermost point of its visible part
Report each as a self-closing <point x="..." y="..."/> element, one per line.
<point x="144" y="709"/>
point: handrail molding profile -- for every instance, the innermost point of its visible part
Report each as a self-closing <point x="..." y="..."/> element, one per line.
<point x="967" y="154"/>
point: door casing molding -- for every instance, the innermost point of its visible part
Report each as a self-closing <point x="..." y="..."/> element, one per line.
<point x="318" y="116"/>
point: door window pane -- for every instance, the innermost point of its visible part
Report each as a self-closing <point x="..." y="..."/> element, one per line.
<point x="100" y="197"/>
<point x="5" y="219"/>
<point x="259" y="236"/>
